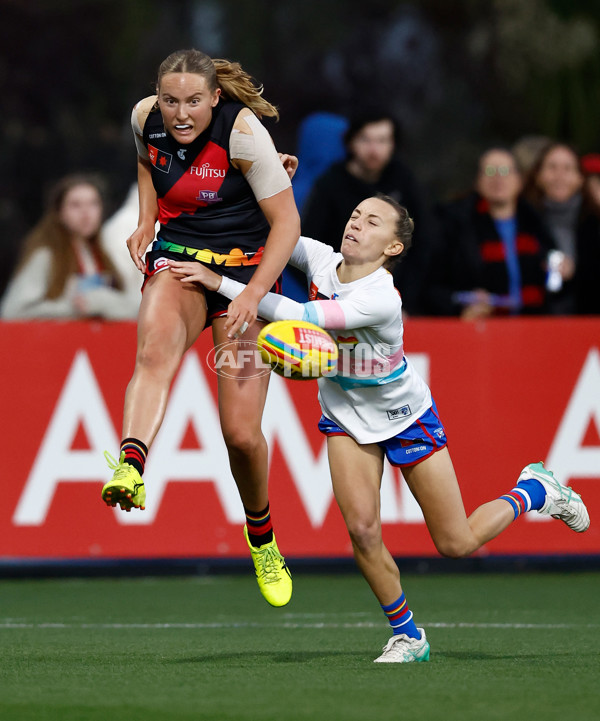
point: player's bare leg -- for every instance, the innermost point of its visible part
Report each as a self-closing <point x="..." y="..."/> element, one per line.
<point x="242" y="396"/>
<point x="434" y="484"/>
<point x="356" y="472"/>
<point x="171" y="318"/>
<point x="356" y="476"/>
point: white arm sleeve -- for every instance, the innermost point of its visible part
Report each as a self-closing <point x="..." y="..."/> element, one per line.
<point x="328" y="314"/>
<point x="271" y="307"/>
<point x="266" y="176"/>
<point x="309" y="255"/>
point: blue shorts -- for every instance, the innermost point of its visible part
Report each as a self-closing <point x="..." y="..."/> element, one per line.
<point x="419" y="441"/>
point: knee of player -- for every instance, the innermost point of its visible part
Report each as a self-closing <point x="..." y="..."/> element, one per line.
<point x="365" y="531"/>
<point x="156" y="359"/>
<point x="241" y="439"/>
<point x="160" y="348"/>
<point x="454" y="547"/>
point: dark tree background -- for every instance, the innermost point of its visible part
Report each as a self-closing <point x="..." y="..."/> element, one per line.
<point x="459" y="74"/>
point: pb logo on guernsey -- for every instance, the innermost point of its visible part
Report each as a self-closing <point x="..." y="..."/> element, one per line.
<point x="208" y="196"/>
<point x="159" y="159"/>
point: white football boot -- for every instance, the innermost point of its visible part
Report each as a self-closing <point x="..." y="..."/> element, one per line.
<point x="403" y="649"/>
<point x="561" y="501"/>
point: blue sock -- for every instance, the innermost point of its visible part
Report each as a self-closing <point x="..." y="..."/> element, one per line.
<point x="401" y="618"/>
<point x="527" y="495"/>
<point x="536" y="492"/>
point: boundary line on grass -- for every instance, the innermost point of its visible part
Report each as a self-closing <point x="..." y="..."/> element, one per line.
<point x="8" y="625"/>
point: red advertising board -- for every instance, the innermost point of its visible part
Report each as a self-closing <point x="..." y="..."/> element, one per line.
<point x="509" y="391"/>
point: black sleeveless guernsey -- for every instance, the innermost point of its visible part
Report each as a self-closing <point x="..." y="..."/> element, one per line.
<point x="205" y="204"/>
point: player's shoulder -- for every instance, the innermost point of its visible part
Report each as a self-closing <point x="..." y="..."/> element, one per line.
<point x="382" y="279"/>
<point x="380" y="285"/>
<point x="245" y="120"/>
<point x="142" y="109"/>
<point x="314" y="244"/>
<point x="318" y="250"/>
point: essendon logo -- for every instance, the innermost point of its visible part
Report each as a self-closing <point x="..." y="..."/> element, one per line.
<point x="159" y="159"/>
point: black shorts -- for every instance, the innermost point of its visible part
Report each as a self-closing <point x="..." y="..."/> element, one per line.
<point x="216" y="303"/>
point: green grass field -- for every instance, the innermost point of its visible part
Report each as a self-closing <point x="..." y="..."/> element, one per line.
<point x="504" y="646"/>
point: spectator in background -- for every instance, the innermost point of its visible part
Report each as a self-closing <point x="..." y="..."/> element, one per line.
<point x="64" y="273"/>
<point x="556" y="189"/>
<point x="492" y="255"/>
<point x="370" y="167"/>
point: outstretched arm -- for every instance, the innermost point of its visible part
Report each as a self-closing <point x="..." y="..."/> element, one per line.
<point x="329" y="314"/>
<point x="272" y="306"/>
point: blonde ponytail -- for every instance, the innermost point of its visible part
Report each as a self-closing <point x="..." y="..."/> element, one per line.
<point x="236" y="84"/>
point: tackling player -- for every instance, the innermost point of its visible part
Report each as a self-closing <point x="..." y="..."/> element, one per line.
<point x="378" y="406"/>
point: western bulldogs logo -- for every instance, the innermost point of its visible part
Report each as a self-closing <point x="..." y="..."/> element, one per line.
<point x="403" y="412"/>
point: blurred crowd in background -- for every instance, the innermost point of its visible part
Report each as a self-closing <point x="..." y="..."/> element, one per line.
<point x="481" y="118"/>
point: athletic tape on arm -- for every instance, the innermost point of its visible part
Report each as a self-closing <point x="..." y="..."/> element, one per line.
<point x="138" y="134"/>
<point x="266" y="176"/>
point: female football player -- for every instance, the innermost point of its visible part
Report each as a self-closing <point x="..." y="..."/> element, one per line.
<point x="209" y="173"/>
<point x="377" y="405"/>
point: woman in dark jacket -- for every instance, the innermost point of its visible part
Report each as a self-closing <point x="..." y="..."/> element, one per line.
<point x="492" y="255"/>
<point x="558" y="187"/>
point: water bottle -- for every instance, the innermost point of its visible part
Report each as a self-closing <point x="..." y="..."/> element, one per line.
<point x="554" y="278"/>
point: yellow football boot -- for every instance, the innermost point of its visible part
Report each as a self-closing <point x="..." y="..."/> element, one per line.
<point x="273" y="576"/>
<point x="126" y="487"/>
